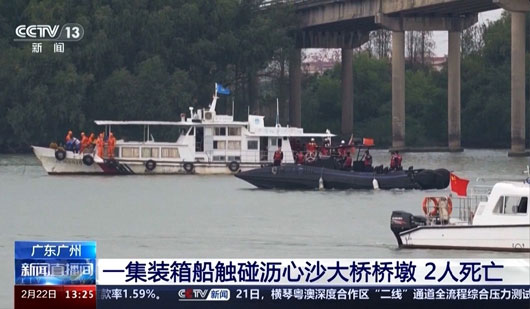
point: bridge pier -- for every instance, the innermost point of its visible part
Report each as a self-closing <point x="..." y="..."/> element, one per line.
<point x="398" y="90"/>
<point x="453" y="92"/>
<point x="295" y="84"/>
<point x="518" y="85"/>
<point x="347" y="91"/>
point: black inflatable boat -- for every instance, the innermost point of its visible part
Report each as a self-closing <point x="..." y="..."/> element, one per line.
<point x="291" y="176"/>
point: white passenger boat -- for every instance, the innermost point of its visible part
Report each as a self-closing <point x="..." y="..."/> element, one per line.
<point x="501" y="221"/>
<point x="208" y="144"/>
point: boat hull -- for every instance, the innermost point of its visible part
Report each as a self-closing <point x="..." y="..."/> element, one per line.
<point x="291" y="176"/>
<point x="73" y="165"/>
<point x="514" y="238"/>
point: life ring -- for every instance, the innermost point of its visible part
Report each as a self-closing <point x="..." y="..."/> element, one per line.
<point x="233" y="166"/>
<point x="188" y="167"/>
<point x="150" y="165"/>
<point x="274" y="170"/>
<point x="88" y="160"/>
<point x="436" y="201"/>
<point x="60" y="154"/>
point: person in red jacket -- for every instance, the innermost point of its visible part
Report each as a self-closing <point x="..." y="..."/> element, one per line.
<point x="348" y="162"/>
<point x="300" y="158"/>
<point x="278" y="157"/>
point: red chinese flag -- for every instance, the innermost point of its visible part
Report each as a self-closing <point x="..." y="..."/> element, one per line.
<point x="459" y="185"/>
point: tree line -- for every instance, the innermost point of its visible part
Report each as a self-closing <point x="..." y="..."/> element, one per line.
<point x="485" y="90"/>
<point x="151" y="59"/>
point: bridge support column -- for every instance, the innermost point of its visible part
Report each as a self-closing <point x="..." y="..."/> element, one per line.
<point x="347" y="91"/>
<point x="518" y="84"/>
<point x="398" y="90"/>
<point x="295" y="83"/>
<point x="453" y="95"/>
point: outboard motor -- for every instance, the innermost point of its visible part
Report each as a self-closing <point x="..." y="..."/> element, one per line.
<point x="403" y="221"/>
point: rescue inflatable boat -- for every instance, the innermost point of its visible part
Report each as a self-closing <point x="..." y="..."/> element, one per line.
<point x="292" y="176"/>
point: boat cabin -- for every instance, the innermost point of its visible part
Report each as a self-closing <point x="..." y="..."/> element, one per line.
<point x="210" y="138"/>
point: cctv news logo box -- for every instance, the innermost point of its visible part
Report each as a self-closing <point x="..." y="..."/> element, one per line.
<point x="39" y="33"/>
<point x="204" y="294"/>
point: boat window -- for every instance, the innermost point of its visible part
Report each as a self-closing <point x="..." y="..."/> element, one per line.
<point x="220" y="131"/>
<point x="170" y="153"/>
<point x="149" y="152"/>
<point x="219" y="144"/>
<point x="273" y="141"/>
<point x="234" y="131"/>
<point x="219" y="158"/>
<point x="130" y="152"/>
<point x="234" y="145"/>
<point x="510" y="205"/>
<point x="234" y="158"/>
<point x="252" y="145"/>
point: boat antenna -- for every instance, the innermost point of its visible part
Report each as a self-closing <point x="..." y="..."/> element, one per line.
<point x="277" y="112"/>
<point x="232" y="107"/>
<point x="248" y="110"/>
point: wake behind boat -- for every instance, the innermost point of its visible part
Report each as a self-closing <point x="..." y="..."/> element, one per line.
<point x="500" y="221"/>
<point x="208" y="144"/>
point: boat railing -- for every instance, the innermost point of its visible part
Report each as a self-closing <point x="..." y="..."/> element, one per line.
<point x="465" y="207"/>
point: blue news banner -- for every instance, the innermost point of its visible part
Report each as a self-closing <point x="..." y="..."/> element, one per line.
<point x="313" y="283"/>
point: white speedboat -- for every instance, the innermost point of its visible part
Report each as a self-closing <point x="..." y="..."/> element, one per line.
<point x="502" y="222"/>
<point x="208" y="144"/>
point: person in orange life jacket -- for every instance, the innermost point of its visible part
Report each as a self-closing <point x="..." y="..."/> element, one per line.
<point x="111" y="143"/>
<point x="367" y="158"/>
<point x="300" y="158"/>
<point x="92" y="138"/>
<point x="69" y="140"/>
<point x="84" y="142"/>
<point x="100" y="144"/>
<point x="278" y="157"/>
<point x="348" y="162"/>
<point x="312" y="146"/>
<point x="68" y="136"/>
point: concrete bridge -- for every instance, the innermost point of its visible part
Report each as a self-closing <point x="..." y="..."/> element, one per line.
<point x="346" y="24"/>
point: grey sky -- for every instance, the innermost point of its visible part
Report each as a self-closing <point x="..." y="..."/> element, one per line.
<point x="440" y="37"/>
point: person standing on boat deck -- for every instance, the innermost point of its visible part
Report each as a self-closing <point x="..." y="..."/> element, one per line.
<point x="312" y="146"/>
<point x="348" y="162"/>
<point x="367" y="158"/>
<point x="69" y="139"/>
<point x="111" y="144"/>
<point x="342" y="149"/>
<point x="100" y="144"/>
<point x="399" y="159"/>
<point x="84" y="142"/>
<point x="278" y="157"/>
<point x="324" y="150"/>
<point x="300" y="158"/>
